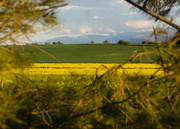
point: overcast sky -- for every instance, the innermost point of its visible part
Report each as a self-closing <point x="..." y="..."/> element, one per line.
<point x="98" y="17"/>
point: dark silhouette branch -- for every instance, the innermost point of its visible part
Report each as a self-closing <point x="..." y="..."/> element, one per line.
<point x="112" y="103"/>
<point x="159" y="17"/>
<point x="144" y="5"/>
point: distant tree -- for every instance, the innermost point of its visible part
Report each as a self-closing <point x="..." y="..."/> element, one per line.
<point x="35" y="43"/>
<point x="54" y="43"/>
<point x="46" y="43"/>
<point x="122" y="42"/>
<point x="144" y="42"/>
<point x="105" y="42"/>
<point x="59" y="43"/>
<point x="92" y="42"/>
<point x="148" y="43"/>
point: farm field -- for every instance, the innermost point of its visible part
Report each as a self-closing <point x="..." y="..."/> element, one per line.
<point x="87" y="53"/>
<point x="41" y="70"/>
<point x="53" y="90"/>
<point x="89" y="68"/>
<point x="85" y="59"/>
<point x="60" y="67"/>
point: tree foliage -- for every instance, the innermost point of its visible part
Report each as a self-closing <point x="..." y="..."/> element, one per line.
<point x="20" y="18"/>
<point x="59" y="43"/>
<point x="23" y="17"/>
<point x="106" y="100"/>
<point x="46" y="43"/>
<point x="161" y="7"/>
<point x="122" y="42"/>
<point x="157" y="9"/>
<point x="105" y="42"/>
<point x="54" y="43"/>
<point x="148" y="43"/>
<point x="92" y="42"/>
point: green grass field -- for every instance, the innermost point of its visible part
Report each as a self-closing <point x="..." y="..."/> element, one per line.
<point x="86" y="53"/>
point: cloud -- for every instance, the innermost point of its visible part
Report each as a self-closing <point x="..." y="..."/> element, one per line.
<point x="120" y="3"/>
<point x="73" y="7"/>
<point x="100" y="28"/>
<point x="110" y="30"/>
<point x="42" y="36"/>
<point x="67" y="8"/>
<point x="84" y="8"/>
<point x="138" y="24"/>
<point x="60" y="31"/>
<point x="85" y="29"/>
<point x="97" y="17"/>
<point x="66" y="31"/>
<point x="97" y="34"/>
<point x="130" y="14"/>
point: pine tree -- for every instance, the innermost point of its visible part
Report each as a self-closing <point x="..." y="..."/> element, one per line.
<point x="24" y="17"/>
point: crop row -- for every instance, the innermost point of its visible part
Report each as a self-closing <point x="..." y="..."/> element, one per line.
<point x="90" y="68"/>
<point x="41" y="71"/>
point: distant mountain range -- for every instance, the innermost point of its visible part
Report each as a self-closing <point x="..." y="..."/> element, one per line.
<point x="133" y="37"/>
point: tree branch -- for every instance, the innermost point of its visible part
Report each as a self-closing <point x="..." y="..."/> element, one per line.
<point x="110" y="104"/>
<point x="154" y="15"/>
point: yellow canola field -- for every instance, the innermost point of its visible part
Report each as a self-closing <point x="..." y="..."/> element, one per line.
<point x="90" y="68"/>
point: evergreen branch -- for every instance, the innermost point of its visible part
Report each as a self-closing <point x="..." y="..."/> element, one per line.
<point x="154" y="15"/>
<point x="112" y="103"/>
